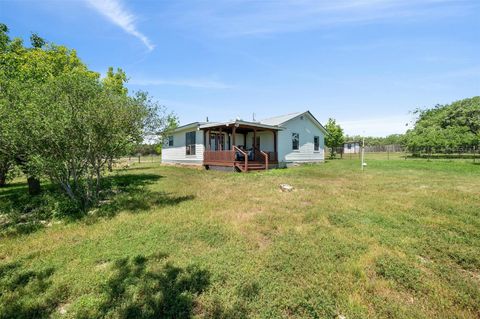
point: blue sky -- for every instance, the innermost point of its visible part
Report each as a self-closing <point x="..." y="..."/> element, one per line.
<point x="366" y="63"/>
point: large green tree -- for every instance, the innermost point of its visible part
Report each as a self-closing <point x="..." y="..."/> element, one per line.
<point x="82" y="125"/>
<point x="335" y="137"/>
<point x="22" y="70"/>
<point x="446" y="128"/>
<point x="62" y="121"/>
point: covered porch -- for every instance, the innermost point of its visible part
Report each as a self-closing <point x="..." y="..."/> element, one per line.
<point x="240" y="145"/>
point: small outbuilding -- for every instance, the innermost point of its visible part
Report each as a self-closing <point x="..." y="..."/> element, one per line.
<point x="352" y="147"/>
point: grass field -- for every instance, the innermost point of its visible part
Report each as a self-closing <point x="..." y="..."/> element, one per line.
<point x="400" y="240"/>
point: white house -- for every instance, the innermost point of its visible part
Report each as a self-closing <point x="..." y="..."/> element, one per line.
<point x="244" y="146"/>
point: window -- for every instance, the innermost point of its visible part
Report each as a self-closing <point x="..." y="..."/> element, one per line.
<point x="190" y="143"/>
<point x="316" y="143"/>
<point x="295" y="141"/>
<point x="170" y="140"/>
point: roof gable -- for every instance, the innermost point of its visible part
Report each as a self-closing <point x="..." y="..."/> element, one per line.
<point x="279" y="120"/>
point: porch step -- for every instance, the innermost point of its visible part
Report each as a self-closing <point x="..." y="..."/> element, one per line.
<point x="252" y="167"/>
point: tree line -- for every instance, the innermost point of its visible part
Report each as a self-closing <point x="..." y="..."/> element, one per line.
<point x="63" y="122"/>
<point x="441" y="129"/>
<point x="446" y="128"/>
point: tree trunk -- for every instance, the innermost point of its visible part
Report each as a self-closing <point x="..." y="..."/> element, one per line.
<point x="33" y="185"/>
<point x="3" y="174"/>
<point x="110" y="165"/>
<point x="3" y="178"/>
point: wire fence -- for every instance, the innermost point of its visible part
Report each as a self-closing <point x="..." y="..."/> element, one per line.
<point x="395" y="151"/>
<point x="153" y="158"/>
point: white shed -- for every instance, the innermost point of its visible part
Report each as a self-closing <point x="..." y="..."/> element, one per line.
<point x="351" y="147"/>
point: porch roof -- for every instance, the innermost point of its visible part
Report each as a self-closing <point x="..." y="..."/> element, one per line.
<point x="240" y="124"/>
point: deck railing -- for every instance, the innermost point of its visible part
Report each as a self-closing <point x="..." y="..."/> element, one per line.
<point x="237" y="155"/>
<point x="219" y="156"/>
<point x="245" y="156"/>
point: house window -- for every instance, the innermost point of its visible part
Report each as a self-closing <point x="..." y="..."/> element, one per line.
<point x="349" y="146"/>
<point x="190" y="143"/>
<point x="170" y="140"/>
<point x="316" y="143"/>
<point x="295" y="141"/>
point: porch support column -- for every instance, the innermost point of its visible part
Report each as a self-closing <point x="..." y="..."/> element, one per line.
<point x="234" y="132"/>
<point x="209" y="141"/>
<point x="221" y="140"/>
<point x="275" y="136"/>
<point x="254" y="138"/>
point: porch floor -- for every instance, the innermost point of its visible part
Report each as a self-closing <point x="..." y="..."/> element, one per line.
<point x="240" y="165"/>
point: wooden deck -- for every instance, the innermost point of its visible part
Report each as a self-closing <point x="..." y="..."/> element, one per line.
<point x="230" y="158"/>
<point x="223" y="150"/>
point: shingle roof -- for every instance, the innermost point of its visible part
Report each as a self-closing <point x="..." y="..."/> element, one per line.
<point x="271" y="121"/>
<point x="277" y="120"/>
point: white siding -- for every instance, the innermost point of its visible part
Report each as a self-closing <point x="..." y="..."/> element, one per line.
<point x="266" y="140"/>
<point x="307" y="129"/>
<point x="177" y="152"/>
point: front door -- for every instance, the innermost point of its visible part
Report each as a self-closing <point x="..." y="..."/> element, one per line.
<point x="213" y="142"/>
<point x="217" y="140"/>
<point x="257" y="143"/>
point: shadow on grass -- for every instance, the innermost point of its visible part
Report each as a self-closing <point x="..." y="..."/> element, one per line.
<point x="28" y="293"/>
<point x="139" y="289"/>
<point x="130" y="193"/>
<point x="23" y="214"/>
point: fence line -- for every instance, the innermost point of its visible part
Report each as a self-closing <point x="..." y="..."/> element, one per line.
<point x="153" y="158"/>
<point x="417" y="152"/>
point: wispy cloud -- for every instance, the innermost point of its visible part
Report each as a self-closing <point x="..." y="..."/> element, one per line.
<point x="246" y="17"/>
<point x="115" y="11"/>
<point x="193" y="83"/>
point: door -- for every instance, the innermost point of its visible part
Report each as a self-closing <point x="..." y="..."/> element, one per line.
<point x="217" y="140"/>
<point x="213" y="142"/>
<point x="257" y="143"/>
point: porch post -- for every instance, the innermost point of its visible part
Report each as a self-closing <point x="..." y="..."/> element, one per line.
<point x="221" y="140"/>
<point x="209" y="141"/>
<point x="254" y="144"/>
<point x="233" y="135"/>
<point x="275" y="136"/>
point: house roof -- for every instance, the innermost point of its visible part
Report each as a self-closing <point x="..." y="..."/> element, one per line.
<point x="273" y="123"/>
<point x="279" y="120"/>
<point x="239" y="122"/>
<point x="188" y="126"/>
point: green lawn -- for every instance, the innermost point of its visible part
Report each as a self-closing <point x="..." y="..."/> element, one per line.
<point x="400" y="240"/>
